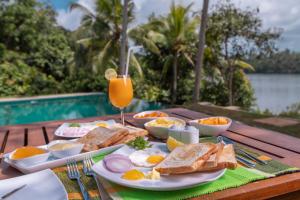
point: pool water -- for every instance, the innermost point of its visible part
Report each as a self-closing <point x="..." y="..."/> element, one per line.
<point x="71" y="107"/>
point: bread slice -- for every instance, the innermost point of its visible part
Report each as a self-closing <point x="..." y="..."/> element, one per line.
<point x="102" y="137"/>
<point x="132" y="130"/>
<point x="225" y="160"/>
<point x="212" y="161"/>
<point x="186" y="159"/>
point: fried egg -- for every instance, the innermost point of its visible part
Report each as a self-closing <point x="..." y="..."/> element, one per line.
<point x="133" y="175"/>
<point x="147" y="157"/>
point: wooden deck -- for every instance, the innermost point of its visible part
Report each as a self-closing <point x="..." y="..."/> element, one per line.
<point x="278" y="146"/>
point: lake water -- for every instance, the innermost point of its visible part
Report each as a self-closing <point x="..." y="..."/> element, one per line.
<point x="275" y="91"/>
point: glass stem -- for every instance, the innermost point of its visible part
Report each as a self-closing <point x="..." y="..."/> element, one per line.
<point x="122" y="116"/>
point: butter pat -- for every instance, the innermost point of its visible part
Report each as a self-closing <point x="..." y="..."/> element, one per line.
<point x="153" y="175"/>
<point x="187" y="134"/>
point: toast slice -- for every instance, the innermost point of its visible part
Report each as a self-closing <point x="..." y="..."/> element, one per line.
<point x="226" y="159"/>
<point x="102" y="137"/>
<point x="186" y="159"/>
<point x="132" y="130"/>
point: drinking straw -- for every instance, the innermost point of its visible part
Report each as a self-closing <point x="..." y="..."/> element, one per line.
<point x="128" y="57"/>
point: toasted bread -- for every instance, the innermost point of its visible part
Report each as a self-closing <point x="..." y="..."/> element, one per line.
<point x="186" y="159"/>
<point x="226" y="159"/>
<point x="102" y="137"/>
<point x="132" y="130"/>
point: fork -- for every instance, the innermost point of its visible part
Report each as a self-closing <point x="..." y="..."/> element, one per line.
<point x="87" y="170"/>
<point x="73" y="174"/>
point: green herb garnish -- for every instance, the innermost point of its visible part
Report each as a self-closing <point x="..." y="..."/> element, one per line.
<point x="139" y="143"/>
<point x="74" y="125"/>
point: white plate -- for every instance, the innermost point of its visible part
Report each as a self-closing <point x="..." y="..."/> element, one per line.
<point x="166" y="183"/>
<point x="56" y="162"/>
<point x="40" y="185"/>
<point x="75" y="132"/>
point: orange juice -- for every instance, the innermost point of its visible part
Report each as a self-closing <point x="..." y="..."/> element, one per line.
<point x="120" y="91"/>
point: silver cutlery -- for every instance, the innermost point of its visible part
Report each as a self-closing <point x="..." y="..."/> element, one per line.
<point x="73" y="174"/>
<point x="239" y="158"/>
<point x="87" y="169"/>
<point x="12" y="192"/>
<point x="242" y="152"/>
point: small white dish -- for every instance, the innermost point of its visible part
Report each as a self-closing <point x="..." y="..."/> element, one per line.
<point x="43" y="185"/>
<point x="213" y="130"/>
<point x="162" y="131"/>
<point x="70" y="151"/>
<point x="165" y="183"/>
<point x="30" y="160"/>
<point x="141" y="114"/>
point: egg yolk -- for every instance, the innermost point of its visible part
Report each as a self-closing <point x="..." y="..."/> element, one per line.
<point x="133" y="175"/>
<point x="102" y="125"/>
<point x="25" y="152"/>
<point x="155" y="159"/>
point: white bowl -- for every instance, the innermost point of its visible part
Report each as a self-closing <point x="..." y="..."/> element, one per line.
<point x="214" y="130"/>
<point x="160" y="131"/>
<point x="29" y="161"/>
<point x="148" y="112"/>
<point x="65" y="152"/>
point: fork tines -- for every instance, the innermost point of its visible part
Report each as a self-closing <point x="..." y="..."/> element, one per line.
<point x="72" y="168"/>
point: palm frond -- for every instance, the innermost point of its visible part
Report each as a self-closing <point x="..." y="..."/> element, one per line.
<point x="84" y="9"/>
<point x="136" y="64"/>
<point x="151" y="46"/>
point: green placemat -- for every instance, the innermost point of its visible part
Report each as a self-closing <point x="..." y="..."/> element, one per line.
<point x="231" y="178"/>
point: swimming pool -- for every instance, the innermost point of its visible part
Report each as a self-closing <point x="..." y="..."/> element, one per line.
<point x="70" y="107"/>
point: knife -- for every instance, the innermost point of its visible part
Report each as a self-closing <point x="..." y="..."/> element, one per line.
<point x="12" y="192"/>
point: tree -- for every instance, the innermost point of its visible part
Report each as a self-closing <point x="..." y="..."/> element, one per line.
<point x="200" y="53"/>
<point x="124" y="37"/>
<point x="238" y="34"/>
<point x="169" y="39"/>
<point x="98" y="37"/>
<point x="34" y="50"/>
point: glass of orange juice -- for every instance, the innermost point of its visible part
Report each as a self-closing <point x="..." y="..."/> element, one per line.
<point x="120" y="93"/>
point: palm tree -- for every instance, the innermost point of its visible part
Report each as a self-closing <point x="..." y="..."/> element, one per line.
<point x="99" y="35"/>
<point x="200" y="53"/>
<point x="170" y="38"/>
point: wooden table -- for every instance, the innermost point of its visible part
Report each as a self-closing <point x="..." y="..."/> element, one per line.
<point x="278" y="146"/>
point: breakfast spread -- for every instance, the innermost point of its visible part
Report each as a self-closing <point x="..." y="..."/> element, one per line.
<point x="143" y="161"/>
<point x="150" y="114"/>
<point x="26" y="152"/>
<point x="213" y="121"/>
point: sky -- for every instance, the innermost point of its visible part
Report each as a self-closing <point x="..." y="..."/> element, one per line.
<point x="283" y="14"/>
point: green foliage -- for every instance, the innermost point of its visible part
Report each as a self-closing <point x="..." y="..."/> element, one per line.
<point x="169" y="42"/>
<point x="38" y="57"/>
<point x="292" y="111"/>
<point x="33" y="50"/>
<point x="279" y="62"/>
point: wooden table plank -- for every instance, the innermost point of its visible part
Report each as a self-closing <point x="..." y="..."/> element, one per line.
<point x="36" y="137"/>
<point x="15" y="139"/>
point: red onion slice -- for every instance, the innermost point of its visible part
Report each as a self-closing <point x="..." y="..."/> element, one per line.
<point x="118" y="164"/>
<point x="113" y="156"/>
